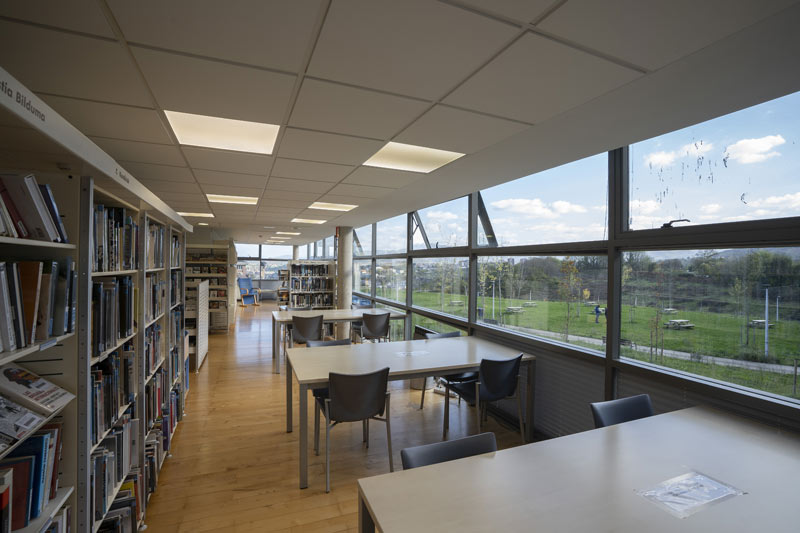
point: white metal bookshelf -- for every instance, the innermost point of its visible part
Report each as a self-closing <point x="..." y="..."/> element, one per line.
<point x="212" y="262"/>
<point x="80" y="175"/>
<point x="312" y="283"/>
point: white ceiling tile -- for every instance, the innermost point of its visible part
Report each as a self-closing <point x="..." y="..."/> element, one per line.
<point x="319" y="214"/>
<point x="266" y="201"/>
<point x="382" y="177"/>
<point x="520" y="10"/>
<point x="537" y="78"/>
<point x="415" y="47"/>
<point x="332" y="107"/>
<point x="234" y="210"/>
<point x="296" y="168"/>
<point x="78" y="15"/>
<point x="360" y="191"/>
<point x="653" y="34"/>
<point x="194" y="199"/>
<point x="216" y="89"/>
<point x="327" y="147"/>
<point x="447" y="128"/>
<point x="280" y="210"/>
<point x="141" y="152"/>
<point x="344" y="199"/>
<point x="293" y="184"/>
<point x="273" y="34"/>
<point x="147" y="171"/>
<point x="61" y="63"/>
<point x="291" y="195"/>
<point x="109" y="120"/>
<point x="229" y="179"/>
<point x="227" y="161"/>
<point x="209" y="188"/>
<point x="160" y="186"/>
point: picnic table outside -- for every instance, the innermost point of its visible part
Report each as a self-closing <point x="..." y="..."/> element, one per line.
<point x="456" y="302"/>
<point x="513" y="309"/>
<point x="760" y="324"/>
<point x="528" y="304"/>
<point x="679" y="323"/>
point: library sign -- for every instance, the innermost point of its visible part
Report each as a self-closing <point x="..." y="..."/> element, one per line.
<point x="21" y="99"/>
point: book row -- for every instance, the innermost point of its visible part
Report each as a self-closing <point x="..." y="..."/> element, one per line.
<point x="115" y="240"/>
<point x="206" y="269"/>
<point x="154" y="291"/>
<point x="153" y="346"/>
<point x="29" y="210"/>
<point x="113" y="312"/>
<point x="155" y="246"/>
<point x="309" y="270"/>
<point x="113" y="387"/>
<point x="313" y="284"/>
<point x="175" y="249"/>
<point x="314" y="300"/>
<point x="111" y="465"/>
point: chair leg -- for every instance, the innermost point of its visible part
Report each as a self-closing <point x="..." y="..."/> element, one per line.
<point x="327" y="457"/>
<point x="521" y="420"/>
<point x="317" y="411"/>
<point x="389" y="435"/>
<point x="422" y="396"/>
<point x="446" y="422"/>
<point x="366" y="432"/>
<point x="478" y="404"/>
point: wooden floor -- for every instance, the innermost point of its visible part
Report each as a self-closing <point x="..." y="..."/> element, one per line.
<point x="234" y="467"/>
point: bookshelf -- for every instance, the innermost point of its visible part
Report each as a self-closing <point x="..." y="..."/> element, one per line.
<point x="81" y="177"/>
<point x="212" y="263"/>
<point x="312" y="283"/>
<point x="197" y="324"/>
<point x="282" y="292"/>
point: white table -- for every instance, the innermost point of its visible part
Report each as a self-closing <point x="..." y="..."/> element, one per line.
<point x="586" y="481"/>
<point x="405" y="359"/>
<point x="281" y="318"/>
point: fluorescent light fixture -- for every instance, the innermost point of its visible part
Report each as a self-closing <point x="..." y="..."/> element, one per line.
<point x="196" y="215"/>
<point x="308" y="221"/>
<point x="202" y="223"/>
<point x="225" y="199"/>
<point x="399" y="156"/>
<point x="281" y="238"/>
<point x="269" y="227"/>
<point x="287" y="233"/>
<point x="332" y="207"/>
<point x="223" y="133"/>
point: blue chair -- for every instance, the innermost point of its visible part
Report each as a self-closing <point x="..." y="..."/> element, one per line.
<point x="250" y="296"/>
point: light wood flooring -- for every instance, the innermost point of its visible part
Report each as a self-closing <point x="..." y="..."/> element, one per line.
<point x="234" y="467"/>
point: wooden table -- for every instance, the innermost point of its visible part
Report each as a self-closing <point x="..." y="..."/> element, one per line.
<point x="586" y="481"/>
<point x="405" y="359"/>
<point x="281" y="318"/>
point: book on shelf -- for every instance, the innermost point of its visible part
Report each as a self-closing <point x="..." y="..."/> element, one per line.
<point x="114" y="239"/>
<point x="21" y="488"/>
<point x="30" y="285"/>
<point x="176" y="287"/>
<point x="16" y="422"/>
<point x="32" y="391"/>
<point x="152" y="348"/>
<point x="155" y="245"/>
<point x="12" y="223"/>
<point x="42" y="446"/>
<point x="15" y="301"/>
<point x="155" y="288"/>
<point x="6" y="484"/>
<point x="112" y="312"/>
<point x="29" y="208"/>
<point x="113" y="386"/>
<point x="112" y="464"/>
<point x="61" y="299"/>
<point x="7" y="334"/>
<point x="46" y="305"/>
<point x="60" y="523"/>
<point x="175" y="251"/>
<point x="52" y="208"/>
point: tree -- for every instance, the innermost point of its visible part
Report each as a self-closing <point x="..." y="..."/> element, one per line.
<point x="569" y="289"/>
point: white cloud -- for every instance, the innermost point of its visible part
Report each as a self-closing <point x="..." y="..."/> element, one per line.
<point x="708" y="217"/>
<point x="787" y="201"/>
<point x="643" y="207"/>
<point x="441" y="215"/>
<point x="563" y="207"/>
<point x="598" y="208"/>
<point x="646" y="222"/>
<point x="764" y="212"/>
<point x="748" y="151"/>
<point x="525" y="206"/>
<point x="710" y="208"/>
<point x="737" y="218"/>
<point x="695" y="149"/>
<point x="660" y="159"/>
<point x="665" y="159"/>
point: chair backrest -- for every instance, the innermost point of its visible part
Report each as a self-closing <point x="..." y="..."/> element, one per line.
<point x="245" y="283"/>
<point x="421" y="333"/>
<point x="317" y="344"/>
<point x="375" y="325"/>
<point x="443" y="335"/>
<point x="306" y="328"/>
<point x="440" y="452"/>
<point x="357" y="396"/>
<point x="499" y="378"/>
<point x="621" y="410"/>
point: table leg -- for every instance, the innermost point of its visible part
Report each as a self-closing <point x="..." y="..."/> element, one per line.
<point x="303" y="436"/>
<point x="365" y="522"/>
<point x="276" y="347"/>
<point x="529" y="396"/>
<point x="288" y="396"/>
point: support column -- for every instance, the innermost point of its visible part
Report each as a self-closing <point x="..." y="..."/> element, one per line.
<point x="344" y="277"/>
<point x="295" y="252"/>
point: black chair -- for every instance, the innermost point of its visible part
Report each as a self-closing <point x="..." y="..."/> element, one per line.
<point x="496" y="380"/>
<point x="375" y="326"/>
<point x="356" y="325"/>
<point x="306" y="328"/>
<point x="353" y="398"/>
<point x="440" y="452"/>
<point x="621" y="410"/>
<point x="452" y="378"/>
<point x="322" y="392"/>
<point x="288" y="327"/>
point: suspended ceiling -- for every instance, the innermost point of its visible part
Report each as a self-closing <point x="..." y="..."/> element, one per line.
<point x="519" y="86"/>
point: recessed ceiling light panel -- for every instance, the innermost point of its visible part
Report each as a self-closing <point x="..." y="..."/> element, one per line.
<point x="281" y="238"/>
<point x="225" y="199"/>
<point x="308" y="221"/>
<point x="202" y="223"/>
<point x="196" y="215"/>
<point x="332" y="207"/>
<point x="399" y="156"/>
<point x="223" y="133"/>
<point x="287" y="233"/>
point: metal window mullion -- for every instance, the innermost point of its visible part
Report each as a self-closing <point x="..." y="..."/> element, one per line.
<point x="472" y="273"/>
<point x="617" y="222"/>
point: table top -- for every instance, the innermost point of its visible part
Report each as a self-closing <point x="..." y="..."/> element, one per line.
<point x="423" y="356"/>
<point x="586" y="481"/>
<point x="334" y="314"/>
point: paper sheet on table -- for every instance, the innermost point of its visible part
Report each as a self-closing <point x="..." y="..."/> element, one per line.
<point x="689" y="493"/>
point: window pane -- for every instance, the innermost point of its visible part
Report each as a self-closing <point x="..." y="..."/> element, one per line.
<point x="270" y="251"/>
<point x="246" y="250"/>
<point x="303" y="251"/>
<point x="707" y="311"/>
<point x="362" y="274"/>
<point x="563" y="204"/>
<point x="362" y="240"/>
<point x="559" y="298"/>
<point x="330" y="242"/>
<point x="319" y="251"/>
<point x="248" y="269"/>
<point x="445" y="225"/>
<point x="741" y="166"/>
<point x="431" y="324"/>
<point x="440" y="284"/>
<point x="397" y="329"/>
<point x="391" y="235"/>
<point x="390" y="279"/>
<point x="269" y="269"/>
